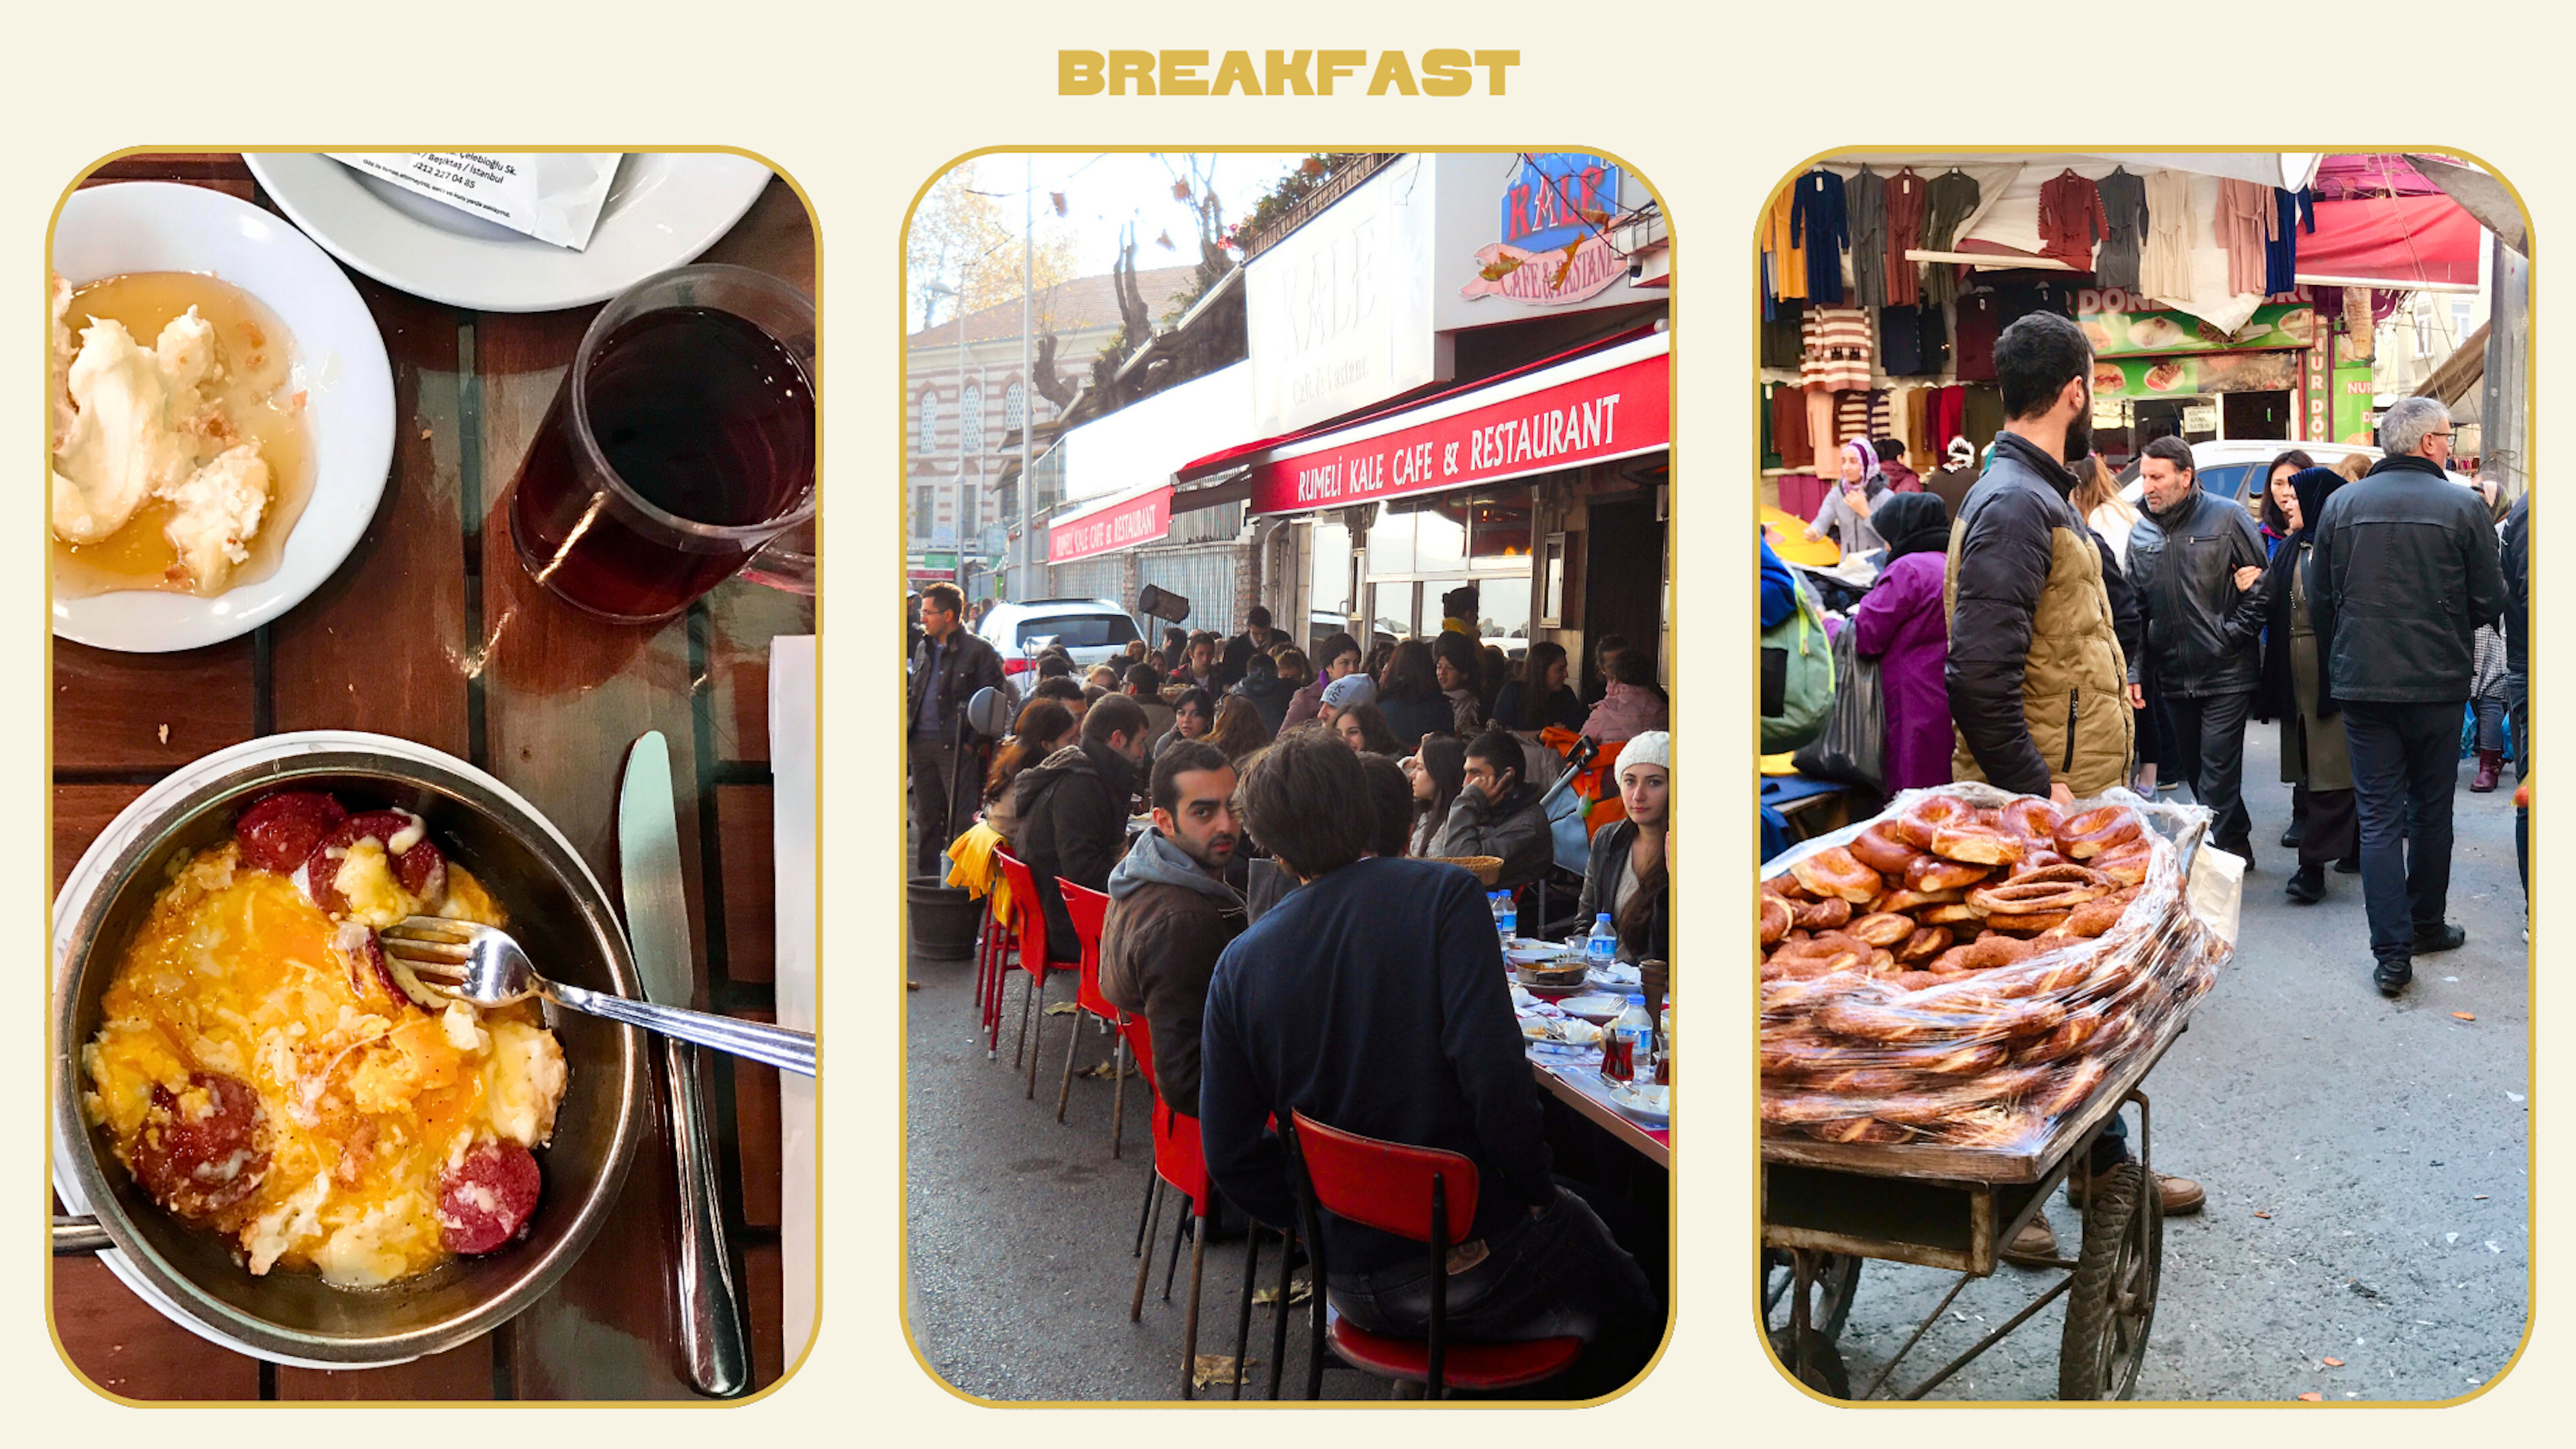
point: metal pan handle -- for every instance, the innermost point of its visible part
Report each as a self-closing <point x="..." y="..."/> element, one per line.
<point x="80" y="1238"/>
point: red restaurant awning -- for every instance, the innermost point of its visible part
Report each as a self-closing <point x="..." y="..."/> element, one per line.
<point x="2394" y="241"/>
<point x="1108" y="527"/>
<point x="1613" y="401"/>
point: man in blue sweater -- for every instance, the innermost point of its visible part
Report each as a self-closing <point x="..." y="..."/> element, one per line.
<point x="1374" y="999"/>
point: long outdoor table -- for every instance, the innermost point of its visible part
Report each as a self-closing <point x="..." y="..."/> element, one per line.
<point x="432" y="631"/>
<point x="1655" y="1142"/>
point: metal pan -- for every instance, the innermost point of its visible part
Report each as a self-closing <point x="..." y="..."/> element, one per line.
<point x="557" y="910"/>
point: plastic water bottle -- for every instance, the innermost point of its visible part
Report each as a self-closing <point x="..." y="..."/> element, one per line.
<point x="1507" y="917"/>
<point x="1601" y="948"/>
<point x="1637" y="1031"/>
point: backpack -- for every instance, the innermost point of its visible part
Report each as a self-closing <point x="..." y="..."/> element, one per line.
<point x="1797" y="678"/>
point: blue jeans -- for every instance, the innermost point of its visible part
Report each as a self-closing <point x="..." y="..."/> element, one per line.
<point x="2405" y="766"/>
<point x="1552" y="1274"/>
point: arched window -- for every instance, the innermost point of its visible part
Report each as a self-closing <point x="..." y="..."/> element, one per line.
<point x="926" y="426"/>
<point x="970" y="420"/>
<point x="1015" y="400"/>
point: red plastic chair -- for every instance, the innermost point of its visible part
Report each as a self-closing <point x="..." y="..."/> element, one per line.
<point x="994" y="944"/>
<point x="1428" y="1196"/>
<point x="1028" y="932"/>
<point x="1090" y="911"/>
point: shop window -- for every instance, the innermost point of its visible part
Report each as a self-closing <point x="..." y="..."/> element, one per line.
<point x="1328" y="588"/>
<point x="1498" y="526"/>
<point x="921" y="512"/>
<point x="1440" y="534"/>
<point x="1015" y="404"/>
<point x="925" y="423"/>
<point x="970" y="420"/>
<point x="1390" y="544"/>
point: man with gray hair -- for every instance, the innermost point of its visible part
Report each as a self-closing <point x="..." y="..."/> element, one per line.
<point x="2403" y="568"/>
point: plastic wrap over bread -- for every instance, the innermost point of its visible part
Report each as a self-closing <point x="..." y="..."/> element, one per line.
<point x="1970" y="967"/>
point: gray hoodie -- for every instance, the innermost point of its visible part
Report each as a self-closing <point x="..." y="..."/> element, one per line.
<point x="1153" y="860"/>
<point x="1168" y="922"/>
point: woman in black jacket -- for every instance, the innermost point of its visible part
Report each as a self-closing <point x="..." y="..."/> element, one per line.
<point x="2315" y="760"/>
<point x="1540" y="696"/>
<point x="1410" y="698"/>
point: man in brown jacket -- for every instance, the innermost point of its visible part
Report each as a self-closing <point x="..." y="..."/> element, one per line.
<point x="1171" y="912"/>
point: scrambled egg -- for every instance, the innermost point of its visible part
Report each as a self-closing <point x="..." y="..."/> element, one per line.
<point x="368" y="1100"/>
<point x="133" y="424"/>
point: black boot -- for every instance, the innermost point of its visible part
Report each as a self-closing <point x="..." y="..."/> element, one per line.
<point x="2307" y="885"/>
<point x="2392" y="977"/>
<point x="2445" y="937"/>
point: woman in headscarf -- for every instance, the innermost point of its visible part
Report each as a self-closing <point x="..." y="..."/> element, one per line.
<point x="2487" y="697"/>
<point x="1900" y="624"/>
<point x="2314" y="757"/>
<point x="1849" y="508"/>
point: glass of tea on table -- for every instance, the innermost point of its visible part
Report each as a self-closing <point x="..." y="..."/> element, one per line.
<point x="679" y="449"/>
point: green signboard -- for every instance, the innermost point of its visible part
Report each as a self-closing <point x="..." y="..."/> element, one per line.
<point x="2118" y="333"/>
<point x="2146" y="377"/>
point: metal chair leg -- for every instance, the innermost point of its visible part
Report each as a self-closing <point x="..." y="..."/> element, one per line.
<point x="1118" y="1100"/>
<point x="1145" y="1260"/>
<point x="1037" y="1040"/>
<point x="1190" y="1321"/>
<point x="1064" y="1089"/>
<point x="1243" y="1304"/>
<point x="1151" y="1182"/>
<point x="1180" y="1230"/>
<point x="1281" y="1309"/>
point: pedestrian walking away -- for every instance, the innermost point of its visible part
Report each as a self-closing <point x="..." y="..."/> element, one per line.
<point x="2404" y="566"/>
<point x="948" y="666"/>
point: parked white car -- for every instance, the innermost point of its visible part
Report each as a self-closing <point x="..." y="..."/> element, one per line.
<point x="1093" y="631"/>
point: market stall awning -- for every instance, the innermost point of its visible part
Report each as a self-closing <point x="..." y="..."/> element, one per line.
<point x="1609" y="401"/>
<point x="1124" y="522"/>
<point x="2393" y="241"/>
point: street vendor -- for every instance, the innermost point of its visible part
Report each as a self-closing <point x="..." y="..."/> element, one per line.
<point x="2030" y="623"/>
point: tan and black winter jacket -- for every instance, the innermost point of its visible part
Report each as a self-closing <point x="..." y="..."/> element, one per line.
<point x="2037" y="679"/>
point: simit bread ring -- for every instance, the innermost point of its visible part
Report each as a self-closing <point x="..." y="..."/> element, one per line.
<point x="2033" y="819"/>
<point x="2073" y="1087"/>
<point x="1926" y="943"/>
<point x="2126" y="864"/>
<point x="1825" y="915"/>
<point x="1785" y="886"/>
<point x="1775" y="920"/>
<point x="2059" y="888"/>
<point x="1981" y="844"/>
<point x="1834" y="871"/>
<point x="2040" y="858"/>
<point x="2095" y="831"/>
<point x="2095" y="917"/>
<point x="1880" y="850"/>
<point x="1861" y="1129"/>
<point x="2033" y="924"/>
<point x="1955" y="913"/>
<point x="1931" y="873"/>
<point x="1913" y="900"/>
<point x="1995" y="1127"/>
<point x="1920" y="819"/>
<point x="1883" y="930"/>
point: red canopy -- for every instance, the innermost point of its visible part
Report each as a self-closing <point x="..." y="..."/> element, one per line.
<point x="2394" y="241"/>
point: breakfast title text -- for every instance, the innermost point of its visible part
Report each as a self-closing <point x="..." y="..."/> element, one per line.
<point x="1280" y="72"/>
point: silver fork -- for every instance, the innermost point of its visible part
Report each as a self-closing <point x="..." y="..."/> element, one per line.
<point x="482" y="966"/>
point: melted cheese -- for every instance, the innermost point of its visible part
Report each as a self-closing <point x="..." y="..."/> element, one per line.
<point x="236" y="971"/>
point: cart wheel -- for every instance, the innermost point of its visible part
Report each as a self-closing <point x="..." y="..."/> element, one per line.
<point x="1837" y="1279"/>
<point x="2113" y="1299"/>
<point x="1823" y="1372"/>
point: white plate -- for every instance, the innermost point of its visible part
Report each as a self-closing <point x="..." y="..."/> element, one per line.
<point x="662" y="210"/>
<point x="1594" y="1007"/>
<point x="154" y="226"/>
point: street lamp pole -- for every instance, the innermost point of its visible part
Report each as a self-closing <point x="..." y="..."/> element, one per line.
<point x="1025" y="492"/>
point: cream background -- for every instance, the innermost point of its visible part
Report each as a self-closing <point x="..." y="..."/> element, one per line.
<point x="852" y="100"/>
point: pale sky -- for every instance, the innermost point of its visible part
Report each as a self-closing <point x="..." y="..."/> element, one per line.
<point x="1105" y="191"/>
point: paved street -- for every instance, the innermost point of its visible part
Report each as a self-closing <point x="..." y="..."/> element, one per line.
<point x="2369" y="1187"/>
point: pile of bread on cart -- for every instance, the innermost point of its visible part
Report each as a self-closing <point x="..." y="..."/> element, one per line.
<point x="1971" y="966"/>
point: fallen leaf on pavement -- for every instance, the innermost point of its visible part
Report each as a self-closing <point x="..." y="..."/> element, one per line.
<point x="2466" y="1015"/>
<point x="1217" y="1368"/>
<point x="1063" y="1008"/>
<point x="2310" y="1397"/>
<point x="2334" y="1363"/>
<point x="1104" y="1070"/>
<point x="2263" y="1215"/>
<point x="1298" y="1292"/>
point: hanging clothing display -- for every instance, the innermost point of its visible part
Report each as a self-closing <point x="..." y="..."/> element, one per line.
<point x="2281" y="256"/>
<point x="1980" y="318"/>
<point x="1860" y="414"/>
<point x="2070" y="219"/>
<point x="1821" y="441"/>
<point x="2123" y="195"/>
<point x="1837" y="348"/>
<point x="1906" y="198"/>
<point x="1865" y="199"/>
<point x="1949" y="413"/>
<point x="2164" y="264"/>
<point x="1950" y="199"/>
<point x="2026" y="294"/>
<point x="1782" y="345"/>
<point x="1788" y="414"/>
<point x="1984" y="416"/>
<point x="1820" y="224"/>
<point x="1784" y="261"/>
<point x="1900" y="342"/>
<point x="2244" y="226"/>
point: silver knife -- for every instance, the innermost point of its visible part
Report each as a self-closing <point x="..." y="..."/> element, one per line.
<point x="714" y="1342"/>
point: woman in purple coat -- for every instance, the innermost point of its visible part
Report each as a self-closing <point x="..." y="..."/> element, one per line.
<point x="1900" y="623"/>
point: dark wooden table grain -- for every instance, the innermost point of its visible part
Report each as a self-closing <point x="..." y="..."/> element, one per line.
<point x="432" y="631"/>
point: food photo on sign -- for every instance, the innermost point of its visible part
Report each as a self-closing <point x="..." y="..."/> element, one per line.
<point x="377" y="1006"/>
<point x="2128" y="787"/>
<point x="1288" y="594"/>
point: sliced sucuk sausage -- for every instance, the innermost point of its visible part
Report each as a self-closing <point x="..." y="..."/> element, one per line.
<point x="280" y="832"/>
<point x="420" y="868"/>
<point x="488" y="1199"/>
<point x="202" y="1149"/>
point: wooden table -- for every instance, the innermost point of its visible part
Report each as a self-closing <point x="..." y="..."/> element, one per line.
<point x="432" y="631"/>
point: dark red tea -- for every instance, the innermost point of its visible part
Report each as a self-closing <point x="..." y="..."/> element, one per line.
<point x="702" y="415"/>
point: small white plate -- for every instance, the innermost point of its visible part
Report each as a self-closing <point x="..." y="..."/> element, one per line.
<point x="663" y="209"/>
<point x="154" y="226"/>
<point x="1632" y="1102"/>
<point x="1595" y="1007"/>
